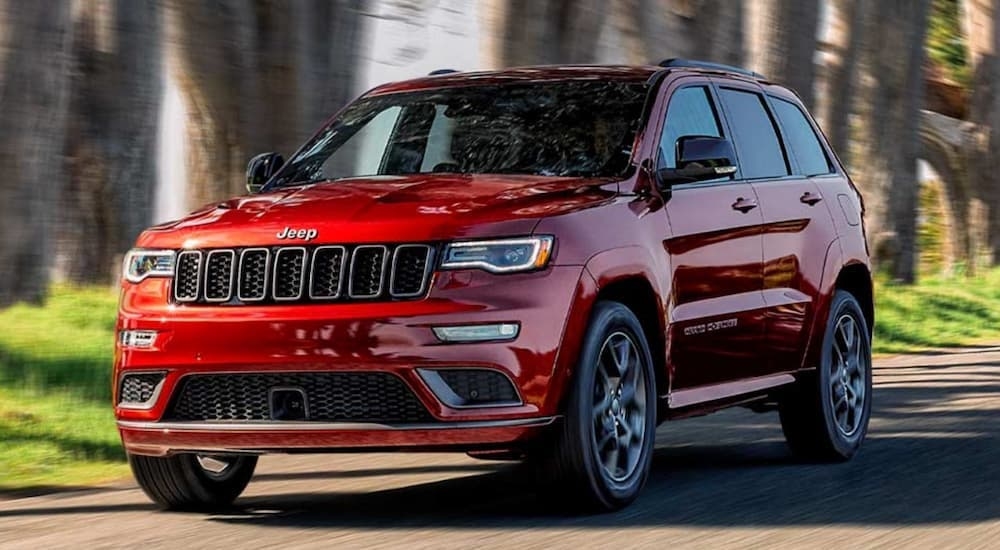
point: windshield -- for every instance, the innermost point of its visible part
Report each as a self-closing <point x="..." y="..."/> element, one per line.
<point x="550" y="128"/>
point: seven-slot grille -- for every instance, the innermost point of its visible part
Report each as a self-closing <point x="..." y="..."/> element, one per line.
<point x="296" y="273"/>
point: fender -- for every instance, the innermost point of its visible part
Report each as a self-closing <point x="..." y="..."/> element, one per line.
<point x="600" y="271"/>
<point x="832" y="264"/>
<point x="630" y="262"/>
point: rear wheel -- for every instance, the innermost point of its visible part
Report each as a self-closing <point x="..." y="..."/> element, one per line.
<point x="602" y="450"/>
<point x="193" y="482"/>
<point x="825" y="416"/>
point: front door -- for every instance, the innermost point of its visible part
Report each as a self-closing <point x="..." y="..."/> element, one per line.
<point x="716" y="306"/>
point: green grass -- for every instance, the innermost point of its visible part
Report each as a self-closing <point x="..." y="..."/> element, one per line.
<point x="937" y="312"/>
<point x="56" y="439"/>
<point x="56" y="424"/>
<point x="65" y="345"/>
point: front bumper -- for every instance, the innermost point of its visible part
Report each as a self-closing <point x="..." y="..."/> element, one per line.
<point x="161" y="438"/>
<point x="395" y="337"/>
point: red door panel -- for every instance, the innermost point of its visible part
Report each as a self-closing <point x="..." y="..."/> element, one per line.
<point x="797" y="229"/>
<point x="717" y="309"/>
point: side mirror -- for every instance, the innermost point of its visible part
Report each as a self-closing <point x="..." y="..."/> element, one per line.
<point x="700" y="158"/>
<point x="261" y="168"/>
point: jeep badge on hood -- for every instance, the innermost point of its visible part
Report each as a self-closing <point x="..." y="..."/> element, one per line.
<point x="291" y="233"/>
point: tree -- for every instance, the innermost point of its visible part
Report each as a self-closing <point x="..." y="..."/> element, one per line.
<point x="532" y="32"/>
<point x="887" y="145"/>
<point x="35" y="40"/>
<point x="540" y="32"/>
<point x="111" y="136"/>
<point x="983" y="25"/>
<point x="652" y="30"/>
<point x="782" y="42"/>
<point x="254" y="76"/>
<point x="840" y="79"/>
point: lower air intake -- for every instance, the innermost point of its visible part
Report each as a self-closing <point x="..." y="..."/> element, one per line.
<point x="138" y="390"/>
<point x="463" y="388"/>
<point x="375" y="397"/>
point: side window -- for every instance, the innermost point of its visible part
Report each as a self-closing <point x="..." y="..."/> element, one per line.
<point x="801" y="138"/>
<point x="690" y="113"/>
<point x="755" y="138"/>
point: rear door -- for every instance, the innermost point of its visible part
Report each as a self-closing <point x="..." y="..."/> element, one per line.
<point x="797" y="227"/>
<point x="716" y="306"/>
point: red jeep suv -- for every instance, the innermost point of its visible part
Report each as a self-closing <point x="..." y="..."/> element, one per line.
<point x="535" y="263"/>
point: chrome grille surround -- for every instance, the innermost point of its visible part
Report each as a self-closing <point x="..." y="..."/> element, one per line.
<point x="289" y="274"/>
<point x="326" y="273"/>
<point x="424" y="266"/>
<point x="332" y="263"/>
<point x="188" y="273"/>
<point x="247" y="277"/>
<point x="214" y="282"/>
<point x="380" y="257"/>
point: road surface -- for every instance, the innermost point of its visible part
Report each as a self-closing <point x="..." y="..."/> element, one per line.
<point x="928" y="477"/>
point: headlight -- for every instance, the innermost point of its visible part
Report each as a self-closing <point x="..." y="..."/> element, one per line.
<point x="140" y="264"/>
<point x="501" y="255"/>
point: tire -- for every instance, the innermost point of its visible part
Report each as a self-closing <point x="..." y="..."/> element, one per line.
<point x="825" y="415"/>
<point x="188" y="482"/>
<point x="574" y="460"/>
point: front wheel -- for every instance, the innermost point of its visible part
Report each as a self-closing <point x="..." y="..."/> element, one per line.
<point x="193" y="482"/>
<point x="825" y="416"/>
<point x="602" y="450"/>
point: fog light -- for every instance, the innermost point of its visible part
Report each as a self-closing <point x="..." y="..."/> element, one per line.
<point x="138" y="339"/>
<point x="477" y="333"/>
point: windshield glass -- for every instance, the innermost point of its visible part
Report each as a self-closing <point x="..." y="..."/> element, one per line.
<point x="570" y="128"/>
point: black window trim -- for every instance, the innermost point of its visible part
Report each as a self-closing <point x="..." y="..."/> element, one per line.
<point x="749" y="87"/>
<point x="720" y="119"/>
<point x="800" y="173"/>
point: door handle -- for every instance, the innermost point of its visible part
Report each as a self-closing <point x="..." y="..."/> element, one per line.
<point x="810" y="198"/>
<point x="744" y="205"/>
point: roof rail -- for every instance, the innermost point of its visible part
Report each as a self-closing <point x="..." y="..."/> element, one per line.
<point x="694" y="64"/>
<point x="436" y="72"/>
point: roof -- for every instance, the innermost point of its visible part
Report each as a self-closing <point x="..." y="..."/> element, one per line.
<point x="521" y="74"/>
<point x="445" y="78"/>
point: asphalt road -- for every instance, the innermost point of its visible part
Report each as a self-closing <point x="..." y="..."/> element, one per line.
<point x="928" y="477"/>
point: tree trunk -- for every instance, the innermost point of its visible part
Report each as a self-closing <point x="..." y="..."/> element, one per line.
<point x="35" y="39"/>
<point x="782" y="42"/>
<point x="539" y="32"/>
<point x="840" y="78"/>
<point x="654" y="30"/>
<point x="888" y="145"/>
<point x="111" y="140"/>
<point x="983" y="18"/>
<point x="210" y="59"/>
<point x="328" y="52"/>
<point x="253" y="76"/>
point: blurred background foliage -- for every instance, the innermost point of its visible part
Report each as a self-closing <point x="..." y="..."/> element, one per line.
<point x="117" y="114"/>
<point x="946" y="44"/>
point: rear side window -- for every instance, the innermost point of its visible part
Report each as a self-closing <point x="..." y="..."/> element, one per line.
<point x="754" y="135"/>
<point x="801" y="138"/>
<point x="690" y="113"/>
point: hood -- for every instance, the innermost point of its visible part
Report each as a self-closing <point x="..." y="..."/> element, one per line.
<point x="417" y="208"/>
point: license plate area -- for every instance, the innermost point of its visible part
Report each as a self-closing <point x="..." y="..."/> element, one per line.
<point x="288" y="403"/>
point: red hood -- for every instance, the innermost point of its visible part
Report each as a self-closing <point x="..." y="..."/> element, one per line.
<point x="385" y="209"/>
